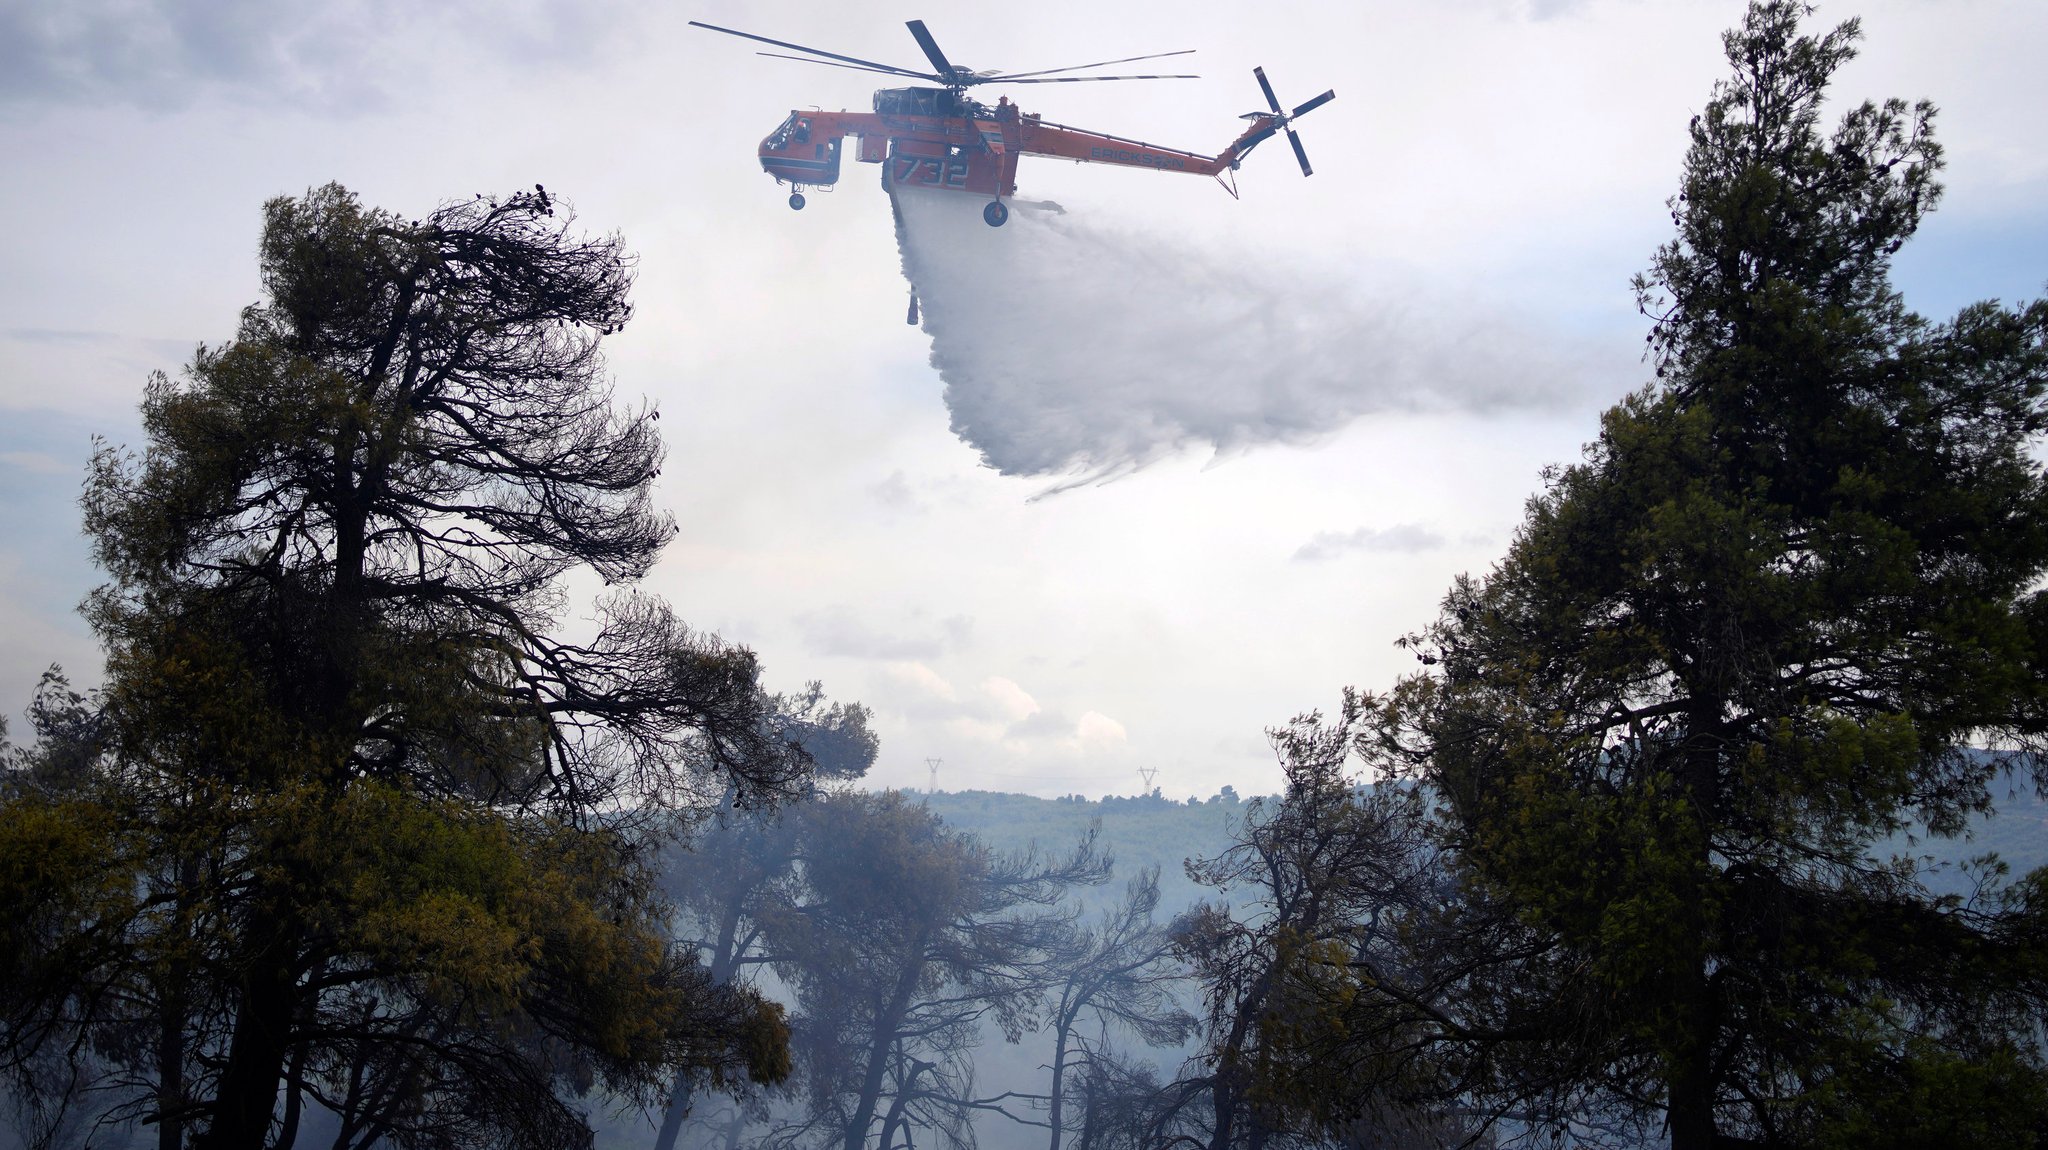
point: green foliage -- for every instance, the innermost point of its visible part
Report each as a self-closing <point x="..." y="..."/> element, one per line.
<point x="898" y="938"/>
<point x="59" y="897"/>
<point x="1735" y="651"/>
<point x="363" y="822"/>
<point x="1310" y="873"/>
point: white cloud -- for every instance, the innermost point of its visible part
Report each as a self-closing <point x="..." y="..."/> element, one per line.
<point x="923" y="680"/>
<point x="1098" y="731"/>
<point x="995" y="708"/>
<point x="1551" y="9"/>
<point x="38" y="462"/>
<point x="978" y="730"/>
<point x="1013" y="701"/>
<point x="335" y="56"/>
<point x="845" y="632"/>
<point x="1000" y="717"/>
<point x="1404" y="538"/>
<point x="895" y="492"/>
<point x="1048" y="727"/>
<point x="1094" y="733"/>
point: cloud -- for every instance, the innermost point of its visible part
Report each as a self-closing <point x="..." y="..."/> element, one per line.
<point x="927" y="684"/>
<point x="896" y="493"/>
<point x="1093" y="733"/>
<point x="334" y="55"/>
<point x="1402" y="538"/>
<point x="1073" y="350"/>
<point x="995" y="700"/>
<point x="1014" y="701"/>
<point x="37" y="462"/>
<point x="1041" y="725"/>
<point x="840" y="631"/>
<point x="153" y="350"/>
<point x="1540" y="10"/>
<point x="998" y="711"/>
<point x="1097" y="730"/>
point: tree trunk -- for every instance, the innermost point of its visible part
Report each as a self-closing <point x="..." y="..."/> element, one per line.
<point x="1689" y="1074"/>
<point x="897" y="1105"/>
<point x="170" y="1064"/>
<point x="1691" y="1105"/>
<point x="247" y="1095"/>
<point x="171" y="1099"/>
<point x="1223" y="1096"/>
<point x="722" y="960"/>
<point x="288" y="1132"/>
<point x="678" y="1110"/>
<point x="886" y="1023"/>
<point x="871" y="1081"/>
<point x="1230" y="1074"/>
<point x="1059" y="1062"/>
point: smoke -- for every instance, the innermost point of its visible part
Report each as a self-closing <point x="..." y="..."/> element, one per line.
<point x="1072" y="350"/>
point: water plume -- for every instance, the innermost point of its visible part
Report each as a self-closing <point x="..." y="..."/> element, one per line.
<point x="1085" y="352"/>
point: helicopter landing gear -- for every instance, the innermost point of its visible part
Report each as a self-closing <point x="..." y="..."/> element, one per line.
<point x="796" y="201"/>
<point x="995" y="215"/>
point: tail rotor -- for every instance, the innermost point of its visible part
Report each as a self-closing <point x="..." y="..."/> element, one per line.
<point x="1279" y="119"/>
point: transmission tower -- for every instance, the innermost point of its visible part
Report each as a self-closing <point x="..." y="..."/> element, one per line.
<point x="933" y="788"/>
<point x="1148" y="774"/>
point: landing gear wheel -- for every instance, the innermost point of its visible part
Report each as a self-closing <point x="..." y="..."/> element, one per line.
<point x="995" y="215"/>
<point x="796" y="201"/>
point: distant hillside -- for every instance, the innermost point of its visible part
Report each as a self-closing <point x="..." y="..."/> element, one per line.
<point x="1146" y="830"/>
<point x="1150" y="830"/>
<point x="2017" y="832"/>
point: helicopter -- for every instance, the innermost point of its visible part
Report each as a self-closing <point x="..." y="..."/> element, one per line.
<point x="941" y="138"/>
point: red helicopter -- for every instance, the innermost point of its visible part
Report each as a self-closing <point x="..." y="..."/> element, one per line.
<point x="940" y="138"/>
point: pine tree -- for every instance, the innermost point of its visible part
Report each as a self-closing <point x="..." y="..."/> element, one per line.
<point x="1740" y="651"/>
<point x="366" y="808"/>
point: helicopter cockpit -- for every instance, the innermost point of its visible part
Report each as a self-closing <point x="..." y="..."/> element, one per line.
<point x="789" y="153"/>
<point x="795" y="130"/>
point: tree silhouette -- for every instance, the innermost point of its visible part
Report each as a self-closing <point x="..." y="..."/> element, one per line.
<point x="367" y="809"/>
<point x="1123" y="972"/>
<point x="1737" y="649"/>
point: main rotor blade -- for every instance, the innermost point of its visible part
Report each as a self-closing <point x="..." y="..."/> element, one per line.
<point x="931" y="49"/>
<point x="891" y="68"/>
<point x="1098" y="64"/>
<point x="1078" y="79"/>
<point x="848" y="67"/>
<point x="1267" y="89"/>
<point x="1299" y="154"/>
<point x="1312" y="105"/>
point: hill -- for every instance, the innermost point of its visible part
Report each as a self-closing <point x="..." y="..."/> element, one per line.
<point x="1148" y="830"/>
<point x="1140" y="831"/>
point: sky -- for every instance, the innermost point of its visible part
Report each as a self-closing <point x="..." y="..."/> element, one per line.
<point x="1159" y="470"/>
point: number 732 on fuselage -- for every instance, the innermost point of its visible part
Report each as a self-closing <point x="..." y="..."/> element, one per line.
<point x="940" y="138"/>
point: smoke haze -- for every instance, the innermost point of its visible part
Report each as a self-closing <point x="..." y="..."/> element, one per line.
<point x="1073" y="350"/>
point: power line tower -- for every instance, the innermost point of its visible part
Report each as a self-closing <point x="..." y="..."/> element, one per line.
<point x="1148" y="774"/>
<point x="933" y="787"/>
